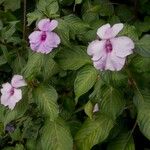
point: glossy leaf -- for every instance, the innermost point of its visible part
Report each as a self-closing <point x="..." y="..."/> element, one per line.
<point x="46" y="99"/>
<point x="143" y="46"/>
<point x="72" y="58"/>
<point x="93" y="132"/>
<point x="56" y="136"/>
<point x="85" y="80"/>
<point x="122" y="142"/>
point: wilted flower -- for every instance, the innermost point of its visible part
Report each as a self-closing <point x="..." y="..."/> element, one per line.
<point x="96" y="108"/>
<point x="110" y="52"/>
<point x="11" y="94"/>
<point x="44" y="40"/>
<point x="10" y="127"/>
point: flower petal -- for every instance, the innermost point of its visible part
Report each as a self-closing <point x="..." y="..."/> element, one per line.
<point x="52" y="41"/>
<point x="44" y="48"/>
<point x="109" y="62"/>
<point x="35" y="37"/>
<point x="53" y="25"/>
<point x="114" y="63"/>
<point x="109" y="65"/>
<point x="122" y="46"/>
<point x="107" y="32"/>
<point x="47" y="25"/>
<point x="34" y="46"/>
<point x="116" y="28"/>
<point x="103" y="31"/>
<point x="16" y="97"/>
<point x="18" y="81"/>
<point x="101" y="63"/>
<point x="6" y="87"/>
<point x="5" y="93"/>
<point x="96" y="49"/>
<point x="4" y="99"/>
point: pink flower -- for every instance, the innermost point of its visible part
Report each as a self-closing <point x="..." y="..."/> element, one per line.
<point x="44" y="40"/>
<point x="110" y="52"/>
<point x="11" y="94"/>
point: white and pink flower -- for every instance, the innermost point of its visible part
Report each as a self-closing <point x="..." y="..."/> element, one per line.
<point x="110" y="52"/>
<point x="44" y="40"/>
<point x="11" y="94"/>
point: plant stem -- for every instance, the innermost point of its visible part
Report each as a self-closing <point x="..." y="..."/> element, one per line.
<point x="24" y="18"/>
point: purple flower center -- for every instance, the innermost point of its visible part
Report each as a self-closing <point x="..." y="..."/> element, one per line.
<point x="108" y="46"/>
<point x="12" y="91"/>
<point x="43" y="36"/>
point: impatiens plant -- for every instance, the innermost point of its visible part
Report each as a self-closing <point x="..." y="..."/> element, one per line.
<point x="74" y="75"/>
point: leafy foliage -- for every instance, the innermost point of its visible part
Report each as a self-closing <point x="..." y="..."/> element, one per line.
<point x="92" y="132"/>
<point x="112" y="102"/>
<point x="56" y="136"/>
<point x="84" y="81"/>
<point x="46" y="99"/>
<point x="122" y="142"/>
<point x="56" y="111"/>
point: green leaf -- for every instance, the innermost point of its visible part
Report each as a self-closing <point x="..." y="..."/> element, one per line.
<point x="86" y="78"/>
<point x="124" y="12"/>
<point x="16" y="135"/>
<point x="63" y="32"/>
<point x="30" y="144"/>
<point x="48" y="7"/>
<point x="112" y="102"/>
<point x="2" y="113"/>
<point x="90" y="17"/>
<point x="12" y="5"/>
<point x="103" y="8"/>
<point x="2" y="60"/>
<point x="93" y="132"/>
<point x="50" y="67"/>
<point x="9" y="148"/>
<point x="9" y="30"/>
<point x="141" y="64"/>
<point x="19" y="147"/>
<point x="1" y="1"/>
<point x="5" y="52"/>
<point x="1" y="25"/>
<point x="142" y="26"/>
<point x="76" y="25"/>
<point x="122" y="142"/>
<point x="115" y="79"/>
<point x="95" y="96"/>
<point x="72" y="58"/>
<point x="52" y="8"/>
<point x="46" y="98"/>
<point x="78" y="1"/>
<point x="143" y="46"/>
<point x="31" y="128"/>
<point x="33" y="16"/>
<point x="56" y="136"/>
<point x="129" y="31"/>
<point x="18" y="64"/>
<point x="88" y="108"/>
<point x="142" y="102"/>
<point x="34" y="65"/>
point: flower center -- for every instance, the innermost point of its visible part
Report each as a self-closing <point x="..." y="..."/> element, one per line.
<point x="108" y="46"/>
<point x="43" y="37"/>
<point x="12" y="91"/>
